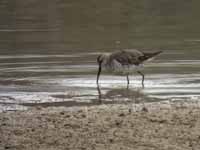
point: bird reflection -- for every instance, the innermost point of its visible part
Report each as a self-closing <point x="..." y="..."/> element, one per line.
<point x="124" y="96"/>
<point x="124" y="93"/>
<point x="99" y="92"/>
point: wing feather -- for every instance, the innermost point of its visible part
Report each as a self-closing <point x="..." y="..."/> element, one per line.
<point x="127" y="57"/>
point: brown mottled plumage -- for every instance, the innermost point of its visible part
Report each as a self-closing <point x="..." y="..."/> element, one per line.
<point x="124" y="60"/>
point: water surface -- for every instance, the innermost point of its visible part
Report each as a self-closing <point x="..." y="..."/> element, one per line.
<point x="49" y="48"/>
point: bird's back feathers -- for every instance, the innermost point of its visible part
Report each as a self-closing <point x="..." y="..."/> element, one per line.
<point x="131" y="57"/>
<point x="127" y="57"/>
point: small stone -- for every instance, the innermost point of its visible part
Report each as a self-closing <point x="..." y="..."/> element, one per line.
<point x="145" y="109"/>
<point x="68" y="116"/>
<point x="38" y="108"/>
<point x="118" y="123"/>
<point x="83" y="115"/>
<point x="3" y="124"/>
<point x="67" y="125"/>
<point x="111" y="140"/>
<point x="62" y="113"/>
<point x="6" y="147"/>
<point x="121" y="115"/>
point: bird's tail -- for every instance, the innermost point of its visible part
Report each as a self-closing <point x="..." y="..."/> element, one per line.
<point x="149" y="56"/>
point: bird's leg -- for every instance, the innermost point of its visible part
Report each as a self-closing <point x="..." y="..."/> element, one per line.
<point x="99" y="93"/>
<point x="98" y="74"/>
<point x="142" y="77"/>
<point x="127" y="78"/>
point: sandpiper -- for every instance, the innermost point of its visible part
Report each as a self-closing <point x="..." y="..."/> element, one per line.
<point x="125" y="62"/>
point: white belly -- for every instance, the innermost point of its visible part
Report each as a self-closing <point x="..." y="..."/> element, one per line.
<point x="116" y="67"/>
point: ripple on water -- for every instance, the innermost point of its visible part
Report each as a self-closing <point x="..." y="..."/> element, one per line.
<point x="31" y="81"/>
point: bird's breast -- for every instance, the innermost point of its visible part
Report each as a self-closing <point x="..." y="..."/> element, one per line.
<point x="118" y="68"/>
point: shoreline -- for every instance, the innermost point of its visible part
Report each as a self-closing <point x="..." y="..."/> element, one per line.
<point x="162" y="125"/>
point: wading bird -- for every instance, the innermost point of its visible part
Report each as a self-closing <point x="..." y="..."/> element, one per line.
<point x="125" y="62"/>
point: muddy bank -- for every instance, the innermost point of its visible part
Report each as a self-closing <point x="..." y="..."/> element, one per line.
<point x="162" y="126"/>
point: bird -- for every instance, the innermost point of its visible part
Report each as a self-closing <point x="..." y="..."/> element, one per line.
<point x="125" y="62"/>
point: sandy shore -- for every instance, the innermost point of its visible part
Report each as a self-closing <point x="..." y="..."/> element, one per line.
<point x="165" y="126"/>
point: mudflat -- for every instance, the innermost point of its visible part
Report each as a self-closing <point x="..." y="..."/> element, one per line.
<point x="160" y="126"/>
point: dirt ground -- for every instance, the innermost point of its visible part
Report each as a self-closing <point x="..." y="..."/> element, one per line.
<point x="161" y="126"/>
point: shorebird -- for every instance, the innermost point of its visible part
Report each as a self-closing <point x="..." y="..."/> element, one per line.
<point x="125" y="62"/>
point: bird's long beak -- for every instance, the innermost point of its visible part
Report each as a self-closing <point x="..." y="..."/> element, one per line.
<point x="98" y="74"/>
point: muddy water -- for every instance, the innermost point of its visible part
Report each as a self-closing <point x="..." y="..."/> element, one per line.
<point x="49" y="48"/>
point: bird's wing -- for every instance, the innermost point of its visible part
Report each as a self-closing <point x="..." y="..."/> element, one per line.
<point x="127" y="57"/>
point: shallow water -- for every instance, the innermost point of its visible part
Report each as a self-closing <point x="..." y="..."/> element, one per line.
<point x="49" y="49"/>
<point x="36" y="80"/>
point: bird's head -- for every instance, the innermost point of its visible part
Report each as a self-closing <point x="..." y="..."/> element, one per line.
<point x="102" y="58"/>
